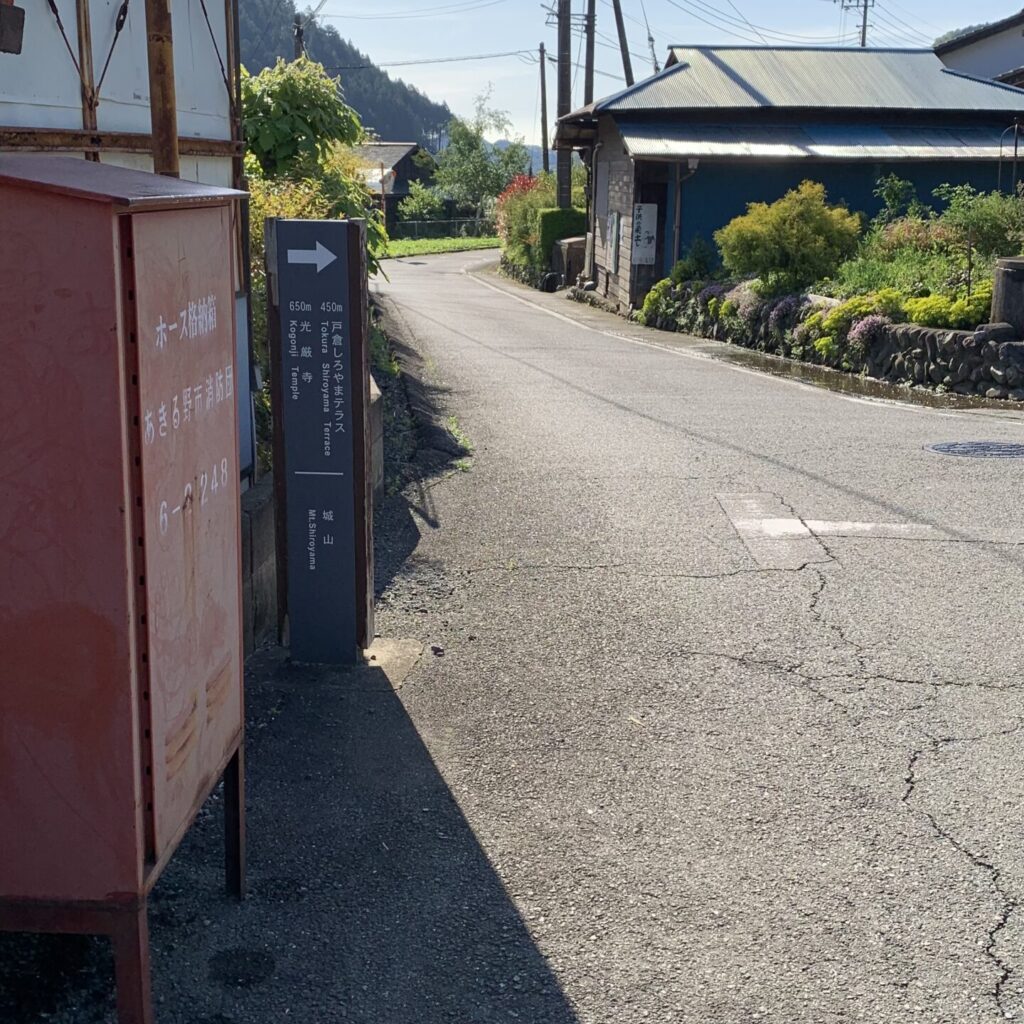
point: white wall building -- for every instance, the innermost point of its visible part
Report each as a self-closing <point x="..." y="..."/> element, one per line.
<point x="995" y="51"/>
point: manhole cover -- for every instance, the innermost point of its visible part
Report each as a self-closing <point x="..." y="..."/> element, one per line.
<point x="979" y="449"/>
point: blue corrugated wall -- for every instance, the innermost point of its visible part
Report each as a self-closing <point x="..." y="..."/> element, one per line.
<point x="720" y="191"/>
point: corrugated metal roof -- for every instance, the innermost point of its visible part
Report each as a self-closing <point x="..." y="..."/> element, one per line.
<point x="741" y="77"/>
<point x="810" y="142"/>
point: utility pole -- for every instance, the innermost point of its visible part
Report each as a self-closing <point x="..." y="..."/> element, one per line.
<point x="862" y="6"/>
<point x="297" y="34"/>
<point x="163" y="105"/>
<point x="544" y="107"/>
<point x="590" y="26"/>
<point x="627" y="67"/>
<point x="564" y="156"/>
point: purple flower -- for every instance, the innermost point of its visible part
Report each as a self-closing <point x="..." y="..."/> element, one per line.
<point x="865" y="332"/>
<point x="783" y="312"/>
<point x="712" y="291"/>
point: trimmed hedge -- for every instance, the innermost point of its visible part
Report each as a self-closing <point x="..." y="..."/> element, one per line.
<point x="554" y="225"/>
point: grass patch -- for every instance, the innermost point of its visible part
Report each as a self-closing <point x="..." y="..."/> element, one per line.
<point x="382" y="359"/>
<point x="398" y="247"/>
<point x="460" y="435"/>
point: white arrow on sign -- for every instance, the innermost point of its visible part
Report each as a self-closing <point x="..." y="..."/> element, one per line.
<point x="321" y="256"/>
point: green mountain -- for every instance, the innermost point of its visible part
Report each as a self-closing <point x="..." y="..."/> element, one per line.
<point x="395" y="111"/>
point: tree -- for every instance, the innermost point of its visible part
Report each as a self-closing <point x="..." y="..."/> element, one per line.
<point x="471" y="170"/>
<point x="792" y="243"/>
<point x="293" y="113"/>
<point x="421" y="203"/>
<point x="956" y="33"/>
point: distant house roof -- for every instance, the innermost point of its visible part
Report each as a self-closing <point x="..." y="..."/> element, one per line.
<point x="746" y="77"/>
<point x="658" y="141"/>
<point x="390" y="154"/>
<point x="969" y="38"/>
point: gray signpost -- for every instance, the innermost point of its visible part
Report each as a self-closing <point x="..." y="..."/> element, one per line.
<point x="317" y="320"/>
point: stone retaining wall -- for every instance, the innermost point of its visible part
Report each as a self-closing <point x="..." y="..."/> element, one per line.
<point x="988" y="361"/>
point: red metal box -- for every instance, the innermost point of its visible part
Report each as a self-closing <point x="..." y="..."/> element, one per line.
<point x="120" y="622"/>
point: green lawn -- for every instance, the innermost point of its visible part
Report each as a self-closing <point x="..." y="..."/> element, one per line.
<point x="424" y="246"/>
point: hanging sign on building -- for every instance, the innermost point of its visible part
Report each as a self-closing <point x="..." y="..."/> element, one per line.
<point x="645" y="234"/>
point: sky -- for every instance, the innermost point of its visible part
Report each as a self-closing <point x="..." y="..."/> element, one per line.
<point x="394" y="31"/>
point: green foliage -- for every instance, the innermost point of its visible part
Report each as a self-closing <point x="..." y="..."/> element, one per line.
<point x="887" y="302"/>
<point x="470" y="170"/>
<point x="656" y="303"/>
<point x="555" y="224"/>
<point x="425" y="246"/>
<point x="991" y="222"/>
<point x="926" y="252"/>
<point x="383" y="361"/>
<point x="899" y="199"/>
<point x="792" y="242"/>
<point x="943" y="311"/>
<point x="697" y="264"/>
<point x="530" y="223"/>
<point x="421" y="203"/>
<point x="294" y="111"/>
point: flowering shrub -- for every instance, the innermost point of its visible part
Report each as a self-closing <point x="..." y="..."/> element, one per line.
<point x="784" y="313"/>
<point x="519" y="186"/>
<point x="865" y="332"/>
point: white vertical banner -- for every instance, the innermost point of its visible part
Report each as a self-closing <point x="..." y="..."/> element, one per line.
<point x="645" y="234"/>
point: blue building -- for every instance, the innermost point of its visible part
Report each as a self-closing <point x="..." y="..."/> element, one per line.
<point x="680" y="154"/>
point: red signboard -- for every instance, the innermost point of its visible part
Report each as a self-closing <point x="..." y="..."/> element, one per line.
<point x="184" y="304"/>
<point x="120" y="576"/>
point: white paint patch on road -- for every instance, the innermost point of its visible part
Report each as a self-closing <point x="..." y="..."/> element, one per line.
<point x="775" y="539"/>
<point x="876" y="531"/>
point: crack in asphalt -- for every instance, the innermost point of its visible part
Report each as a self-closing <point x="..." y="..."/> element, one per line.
<point x="1008" y="902"/>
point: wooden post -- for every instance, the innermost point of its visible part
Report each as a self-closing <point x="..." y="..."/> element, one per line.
<point x="162" y="100"/>
<point x="85" y="63"/>
<point x="363" y="454"/>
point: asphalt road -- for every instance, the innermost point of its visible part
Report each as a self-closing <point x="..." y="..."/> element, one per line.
<point x="718" y="715"/>
<point x="727" y="680"/>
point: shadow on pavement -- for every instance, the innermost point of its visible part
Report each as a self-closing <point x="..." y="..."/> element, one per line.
<point x="371" y="899"/>
<point x="419" y="446"/>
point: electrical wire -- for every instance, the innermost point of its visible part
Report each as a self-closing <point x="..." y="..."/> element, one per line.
<point x="528" y="56"/>
<point x="893" y="19"/>
<point x="912" y="14"/>
<point x="746" y="19"/>
<point x="727" y="23"/>
<point x="425" y="12"/>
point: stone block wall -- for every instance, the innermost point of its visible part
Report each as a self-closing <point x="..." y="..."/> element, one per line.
<point x="988" y="361"/>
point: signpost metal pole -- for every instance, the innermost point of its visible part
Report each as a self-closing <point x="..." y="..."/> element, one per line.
<point x="323" y="491"/>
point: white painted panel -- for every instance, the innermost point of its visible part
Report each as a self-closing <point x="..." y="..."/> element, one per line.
<point x="40" y="88"/>
<point x="203" y="104"/>
<point x="202" y="97"/>
<point x="124" y="97"/>
<point x="990" y="56"/>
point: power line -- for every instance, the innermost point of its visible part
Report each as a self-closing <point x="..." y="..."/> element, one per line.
<point x="425" y="12"/>
<point x="892" y="19"/>
<point x="747" y="20"/>
<point x="725" y="22"/>
<point x="526" y="55"/>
